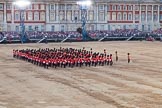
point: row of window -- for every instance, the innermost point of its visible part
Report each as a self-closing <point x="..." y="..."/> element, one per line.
<point x="149" y="16"/>
<point x="103" y="7"/>
<point x="69" y="16"/>
<point x="30" y="7"/>
<point x="30" y="16"/>
<point x="121" y="16"/>
<point x="129" y="7"/>
<point x="71" y="6"/>
<point x="40" y="16"/>
<point x="31" y="28"/>
<point x="63" y="7"/>
<point x="101" y="17"/>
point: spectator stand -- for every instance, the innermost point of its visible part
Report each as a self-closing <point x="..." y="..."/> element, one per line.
<point x="72" y="36"/>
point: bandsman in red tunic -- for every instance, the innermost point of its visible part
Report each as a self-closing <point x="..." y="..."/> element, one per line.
<point x="63" y="57"/>
<point x="111" y="60"/>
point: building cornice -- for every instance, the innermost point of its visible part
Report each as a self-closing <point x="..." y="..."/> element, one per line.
<point x="95" y="1"/>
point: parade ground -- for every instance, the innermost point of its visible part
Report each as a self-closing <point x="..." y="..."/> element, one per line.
<point x="134" y="85"/>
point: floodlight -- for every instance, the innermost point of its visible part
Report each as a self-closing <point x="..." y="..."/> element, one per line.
<point x="22" y="3"/>
<point x="84" y="5"/>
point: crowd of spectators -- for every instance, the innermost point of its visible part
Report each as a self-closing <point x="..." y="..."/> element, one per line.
<point x="11" y="36"/>
<point x="157" y="32"/>
<point x="74" y="35"/>
<point x="115" y="33"/>
<point x="52" y="35"/>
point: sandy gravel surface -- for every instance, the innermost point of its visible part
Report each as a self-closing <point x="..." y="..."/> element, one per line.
<point x="134" y="85"/>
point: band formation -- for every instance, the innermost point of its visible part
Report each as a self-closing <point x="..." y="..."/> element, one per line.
<point x="63" y="57"/>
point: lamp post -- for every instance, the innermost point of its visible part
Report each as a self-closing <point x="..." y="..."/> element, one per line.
<point x="84" y="5"/>
<point x="22" y="4"/>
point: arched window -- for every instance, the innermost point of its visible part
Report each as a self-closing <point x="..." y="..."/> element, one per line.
<point x="17" y="16"/>
<point x="130" y="16"/>
<point x="124" y="16"/>
<point x="42" y="16"/>
<point x="24" y="15"/>
<point x="114" y="16"/>
<point x="36" y="16"/>
<point x="69" y="16"/>
<point x="119" y="16"/>
<point x="137" y="17"/>
<point x="30" y="16"/>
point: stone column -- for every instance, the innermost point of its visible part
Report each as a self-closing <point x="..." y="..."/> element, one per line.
<point x="140" y="13"/>
<point x="12" y="18"/>
<point x="105" y="13"/>
<point x="152" y="13"/>
<point x="146" y="13"/>
<point x="47" y="16"/>
<point x="87" y="15"/>
<point x="57" y="12"/>
<point x="47" y="12"/>
<point x="158" y="14"/>
<point x="5" y="18"/>
<point x="96" y="12"/>
<point x="65" y="13"/>
<point x="134" y="15"/>
<point x="96" y="15"/>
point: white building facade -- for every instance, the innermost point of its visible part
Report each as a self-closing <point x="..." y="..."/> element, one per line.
<point x="65" y="15"/>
